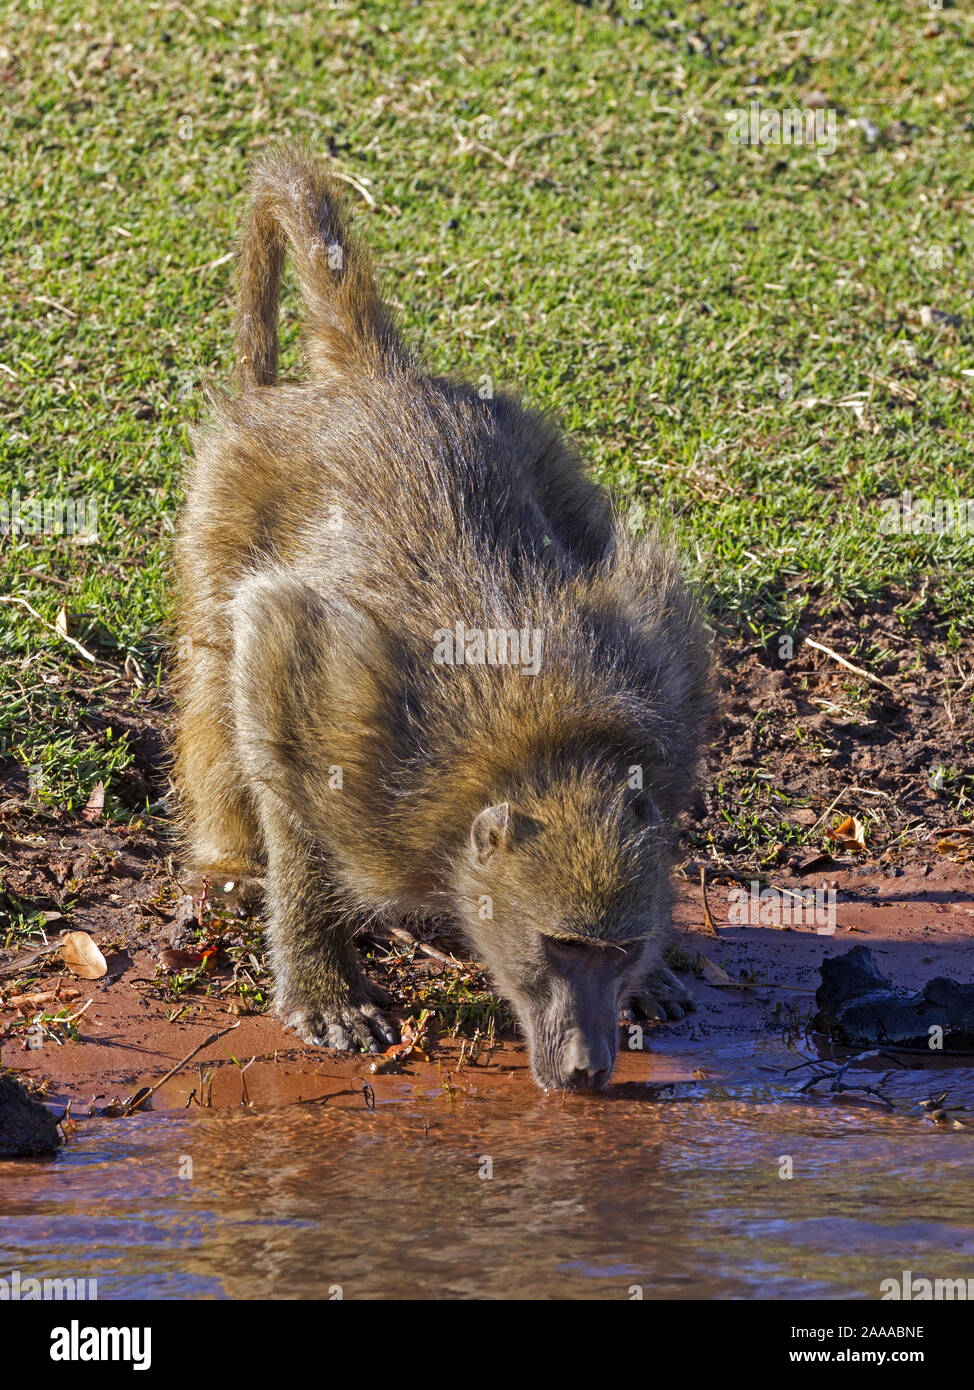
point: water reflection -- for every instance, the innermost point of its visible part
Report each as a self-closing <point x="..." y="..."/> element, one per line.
<point x="587" y="1198"/>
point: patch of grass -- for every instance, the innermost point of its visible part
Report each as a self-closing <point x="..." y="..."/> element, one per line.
<point x="19" y="926"/>
<point x="240" y="946"/>
<point x="732" y="332"/>
<point x="760" y="815"/>
<point x="691" y="963"/>
<point x="463" y="1008"/>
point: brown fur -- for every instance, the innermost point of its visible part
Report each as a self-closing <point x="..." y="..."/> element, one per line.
<point x="331" y="528"/>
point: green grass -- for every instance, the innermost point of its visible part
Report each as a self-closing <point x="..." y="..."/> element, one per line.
<point x="462" y="1007"/>
<point x="732" y="332"/>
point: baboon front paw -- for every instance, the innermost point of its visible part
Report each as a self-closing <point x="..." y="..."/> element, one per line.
<point x="345" y="1027"/>
<point x="661" y="996"/>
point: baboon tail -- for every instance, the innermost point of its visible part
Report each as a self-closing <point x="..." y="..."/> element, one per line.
<point x="296" y="208"/>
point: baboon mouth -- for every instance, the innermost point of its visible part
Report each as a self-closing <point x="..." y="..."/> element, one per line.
<point x="575" y="1082"/>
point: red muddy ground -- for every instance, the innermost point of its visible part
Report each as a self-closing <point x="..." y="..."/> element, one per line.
<point x="917" y="925"/>
<point x="798" y="745"/>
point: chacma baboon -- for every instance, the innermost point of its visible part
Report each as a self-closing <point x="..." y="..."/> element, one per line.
<point x="422" y="669"/>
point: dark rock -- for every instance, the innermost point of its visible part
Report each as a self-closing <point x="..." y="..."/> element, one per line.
<point x="27" y="1128"/>
<point x="859" y="1007"/>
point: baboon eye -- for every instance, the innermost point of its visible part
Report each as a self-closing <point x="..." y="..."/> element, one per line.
<point x="568" y="952"/>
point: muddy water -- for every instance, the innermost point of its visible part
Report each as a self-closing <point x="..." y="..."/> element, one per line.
<point x="587" y="1198"/>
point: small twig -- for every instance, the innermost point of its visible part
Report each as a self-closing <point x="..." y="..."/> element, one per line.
<point x="48" y="578"/>
<point x="856" y="670"/>
<point x="17" y="967"/>
<point x="825" y="815"/>
<point x="88" y="656"/>
<point x="73" y="1018"/>
<point x="44" y="996"/>
<point x="56" y="304"/>
<point x="708" y="919"/>
<point x="323" y="1100"/>
<point x="833" y="1074"/>
<point x="801" y="897"/>
<point x="365" y="1091"/>
<point x="245" y="1097"/>
<point x="212" y="265"/>
<point x="808" y="1062"/>
<point x="400" y="934"/>
<point x="144" y="1095"/>
<point x="756" y="984"/>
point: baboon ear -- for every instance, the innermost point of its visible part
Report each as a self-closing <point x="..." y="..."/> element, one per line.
<point x="489" y="831"/>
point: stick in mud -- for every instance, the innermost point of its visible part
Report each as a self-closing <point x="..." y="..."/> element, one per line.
<point x="17" y="967"/>
<point x="857" y="670"/>
<point x="833" y="1071"/>
<point x="707" y="917"/>
<point x="142" y="1096"/>
<point x="366" y="1092"/>
<point x="407" y="938"/>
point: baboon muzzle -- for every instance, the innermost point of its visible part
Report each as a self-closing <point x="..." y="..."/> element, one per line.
<point x="588" y="1062"/>
<point x="574" y="1042"/>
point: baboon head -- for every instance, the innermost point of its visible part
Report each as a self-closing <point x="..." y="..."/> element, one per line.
<point x="565" y="894"/>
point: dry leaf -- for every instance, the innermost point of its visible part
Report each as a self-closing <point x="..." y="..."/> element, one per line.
<point x="412" y="1031"/>
<point x="850" y="834"/>
<point x="82" y="956"/>
<point x="960" y="850"/>
<point x="95" y="804"/>
<point x="714" y="975"/>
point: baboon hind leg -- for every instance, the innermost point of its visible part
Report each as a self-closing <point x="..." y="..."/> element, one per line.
<point x="220" y="826"/>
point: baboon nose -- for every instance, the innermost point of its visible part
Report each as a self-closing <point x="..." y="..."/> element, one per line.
<point x="587" y="1064"/>
<point x="589" y="1080"/>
